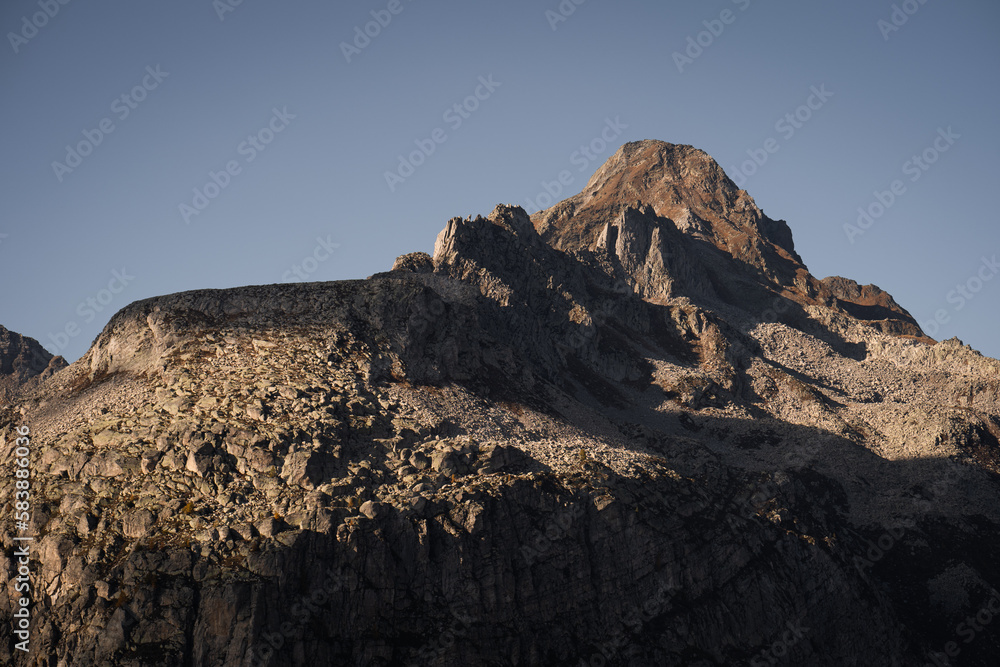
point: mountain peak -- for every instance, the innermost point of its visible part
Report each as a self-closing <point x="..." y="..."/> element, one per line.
<point x="678" y="225"/>
<point x="22" y="360"/>
<point x="680" y="182"/>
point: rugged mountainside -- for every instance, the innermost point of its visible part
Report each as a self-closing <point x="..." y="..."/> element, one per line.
<point x="23" y="361"/>
<point x="633" y="430"/>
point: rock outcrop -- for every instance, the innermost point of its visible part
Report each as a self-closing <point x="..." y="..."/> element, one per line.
<point x="632" y="430"/>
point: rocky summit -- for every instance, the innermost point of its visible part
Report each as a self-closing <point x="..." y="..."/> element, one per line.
<point x="632" y="429"/>
<point x="23" y="363"/>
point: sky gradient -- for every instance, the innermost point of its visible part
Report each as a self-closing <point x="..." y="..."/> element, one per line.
<point x="152" y="148"/>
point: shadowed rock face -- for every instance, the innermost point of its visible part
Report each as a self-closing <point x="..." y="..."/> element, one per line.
<point x="644" y="437"/>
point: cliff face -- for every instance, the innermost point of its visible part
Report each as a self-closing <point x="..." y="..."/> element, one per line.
<point x="633" y="429"/>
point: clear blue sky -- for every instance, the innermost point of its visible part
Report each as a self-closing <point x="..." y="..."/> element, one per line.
<point x="553" y="87"/>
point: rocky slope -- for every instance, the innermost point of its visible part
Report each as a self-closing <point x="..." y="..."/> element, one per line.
<point x="631" y="431"/>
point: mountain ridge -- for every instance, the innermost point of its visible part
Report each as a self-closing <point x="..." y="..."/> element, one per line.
<point x="518" y="439"/>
